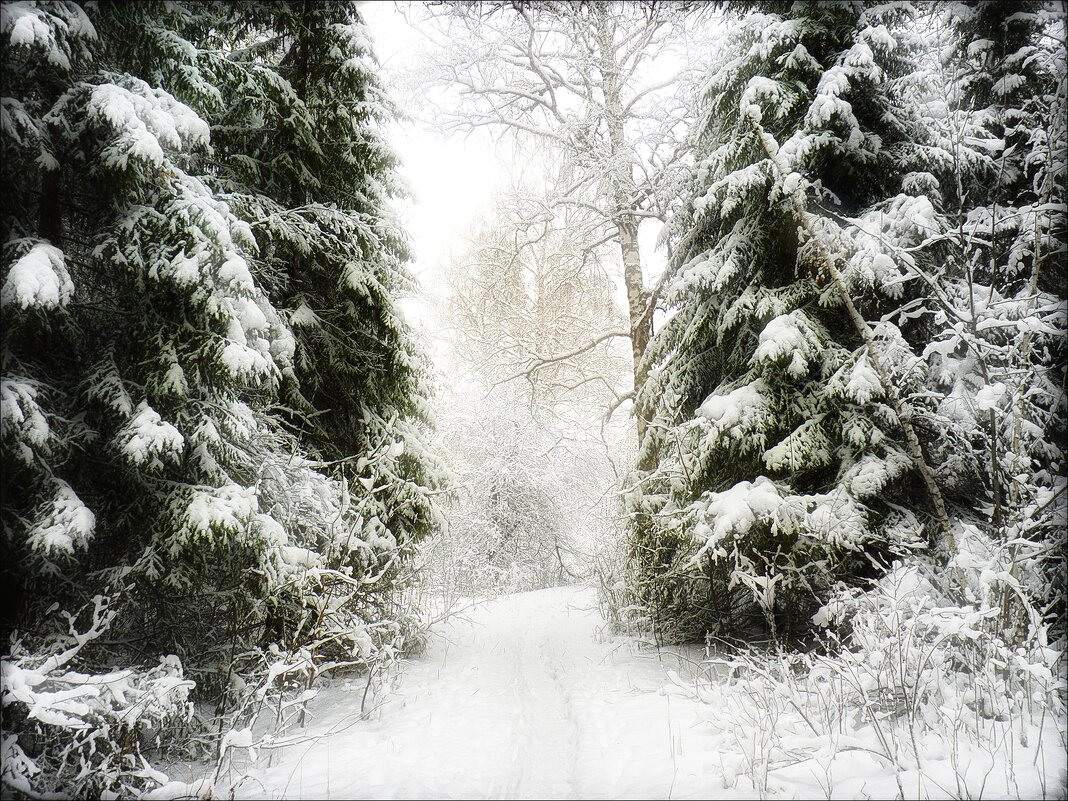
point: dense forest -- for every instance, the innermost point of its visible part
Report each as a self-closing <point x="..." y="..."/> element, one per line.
<point x="763" y="340"/>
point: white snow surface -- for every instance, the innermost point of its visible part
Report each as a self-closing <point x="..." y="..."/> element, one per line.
<point x="525" y="698"/>
<point x="148" y="438"/>
<point x="528" y="697"/>
<point x="39" y="279"/>
<point x="735" y="511"/>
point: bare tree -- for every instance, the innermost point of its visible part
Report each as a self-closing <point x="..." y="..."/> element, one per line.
<point x="532" y="472"/>
<point x="593" y="84"/>
<point x="527" y="303"/>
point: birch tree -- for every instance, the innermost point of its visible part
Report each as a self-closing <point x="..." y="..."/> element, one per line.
<point x="583" y="81"/>
<point x="528" y="304"/>
<point x="525" y="434"/>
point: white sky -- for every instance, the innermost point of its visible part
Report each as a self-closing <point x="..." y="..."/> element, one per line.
<point x="453" y="179"/>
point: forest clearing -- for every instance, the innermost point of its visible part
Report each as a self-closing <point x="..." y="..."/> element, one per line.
<point x="534" y="399"/>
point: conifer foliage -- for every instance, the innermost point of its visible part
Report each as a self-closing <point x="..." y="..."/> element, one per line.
<point x="993" y="267"/>
<point x="799" y="400"/>
<point x="772" y="428"/>
<point x="212" y="410"/>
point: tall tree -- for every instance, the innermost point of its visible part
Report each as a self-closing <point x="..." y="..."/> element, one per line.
<point x="158" y="333"/>
<point x="781" y="462"/>
<point x="579" y="78"/>
<point x="994" y="277"/>
<point x="526" y="299"/>
<point x="175" y="266"/>
<point x="308" y="165"/>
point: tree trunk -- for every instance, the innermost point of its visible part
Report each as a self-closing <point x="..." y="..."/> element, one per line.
<point x="640" y="326"/>
<point x="624" y="200"/>
<point x="50" y="212"/>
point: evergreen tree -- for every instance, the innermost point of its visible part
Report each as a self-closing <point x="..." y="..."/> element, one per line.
<point x="189" y="186"/>
<point x="781" y="466"/>
<point x="318" y="189"/>
<point x="160" y="335"/>
<point x="995" y="280"/>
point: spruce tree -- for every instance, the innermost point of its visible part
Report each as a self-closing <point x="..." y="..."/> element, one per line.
<point x="305" y="160"/>
<point x="780" y="464"/>
<point x="994" y="267"/>
<point x="159" y="336"/>
<point x="199" y="290"/>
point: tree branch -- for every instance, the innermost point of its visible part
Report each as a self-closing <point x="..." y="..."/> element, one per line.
<point x="540" y="362"/>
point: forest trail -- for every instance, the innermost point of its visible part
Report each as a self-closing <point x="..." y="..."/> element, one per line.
<point x="524" y="698"/>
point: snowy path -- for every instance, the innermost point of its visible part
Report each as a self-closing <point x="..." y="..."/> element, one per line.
<point x="524" y="699"/>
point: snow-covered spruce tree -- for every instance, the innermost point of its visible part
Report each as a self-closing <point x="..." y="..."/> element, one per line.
<point x="38" y="333"/>
<point x="303" y="158"/>
<point x="132" y="323"/>
<point x="147" y="339"/>
<point x="781" y="466"/>
<point x="134" y="333"/>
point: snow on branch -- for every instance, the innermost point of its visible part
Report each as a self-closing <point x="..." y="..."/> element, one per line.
<point x="902" y="409"/>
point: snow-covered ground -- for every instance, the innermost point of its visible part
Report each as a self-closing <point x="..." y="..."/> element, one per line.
<point x="527" y="697"/>
<point x="524" y="698"/>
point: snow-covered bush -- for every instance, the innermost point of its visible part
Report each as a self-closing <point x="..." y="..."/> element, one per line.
<point x="924" y="686"/>
<point x="80" y="731"/>
<point x="607" y="566"/>
<point x="507" y="529"/>
<point x="271" y="692"/>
